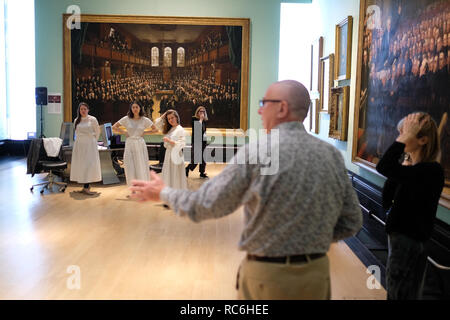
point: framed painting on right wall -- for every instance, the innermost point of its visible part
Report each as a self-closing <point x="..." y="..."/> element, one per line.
<point x="403" y="67"/>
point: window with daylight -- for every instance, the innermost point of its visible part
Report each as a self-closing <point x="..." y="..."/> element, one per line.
<point x="17" y="69"/>
<point x="180" y="57"/>
<point x="295" y="47"/>
<point x="155" y="57"/>
<point x="167" y="57"/>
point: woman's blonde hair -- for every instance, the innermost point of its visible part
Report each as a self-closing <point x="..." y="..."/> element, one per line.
<point x="197" y="111"/>
<point x="431" y="150"/>
<point x="167" y="125"/>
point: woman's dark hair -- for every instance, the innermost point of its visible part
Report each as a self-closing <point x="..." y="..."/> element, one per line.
<point x="78" y="119"/>
<point x="167" y="125"/>
<point x="130" y="111"/>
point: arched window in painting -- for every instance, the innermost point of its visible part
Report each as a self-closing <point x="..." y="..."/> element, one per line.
<point x="155" y="57"/>
<point x="180" y="57"/>
<point x="167" y="57"/>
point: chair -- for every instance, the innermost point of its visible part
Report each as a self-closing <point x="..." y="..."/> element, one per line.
<point x="38" y="161"/>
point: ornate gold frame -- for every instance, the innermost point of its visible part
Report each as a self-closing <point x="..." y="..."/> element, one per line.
<point x="243" y="22"/>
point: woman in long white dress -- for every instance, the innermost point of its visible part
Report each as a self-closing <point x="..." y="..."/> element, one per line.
<point x="173" y="173"/>
<point x="85" y="164"/>
<point x="135" y="156"/>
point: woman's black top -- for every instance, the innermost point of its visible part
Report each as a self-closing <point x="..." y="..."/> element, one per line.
<point x="412" y="192"/>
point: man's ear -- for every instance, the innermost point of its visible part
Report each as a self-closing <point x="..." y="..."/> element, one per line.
<point x="283" y="112"/>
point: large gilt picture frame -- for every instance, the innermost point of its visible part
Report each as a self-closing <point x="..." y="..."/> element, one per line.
<point x="403" y="67"/>
<point x="162" y="63"/>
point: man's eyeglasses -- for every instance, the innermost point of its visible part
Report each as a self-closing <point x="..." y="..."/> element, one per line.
<point x="264" y="101"/>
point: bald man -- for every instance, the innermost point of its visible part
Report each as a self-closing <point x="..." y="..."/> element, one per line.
<point x="291" y="216"/>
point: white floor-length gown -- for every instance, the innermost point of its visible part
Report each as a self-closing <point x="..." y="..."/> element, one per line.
<point x="85" y="164"/>
<point x="173" y="171"/>
<point x="135" y="156"/>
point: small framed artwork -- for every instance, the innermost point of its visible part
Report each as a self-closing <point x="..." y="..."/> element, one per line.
<point x="339" y="113"/>
<point x="316" y="55"/>
<point x="343" y="49"/>
<point x="326" y="81"/>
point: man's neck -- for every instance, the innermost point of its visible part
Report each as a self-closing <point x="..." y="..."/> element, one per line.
<point x="285" y="121"/>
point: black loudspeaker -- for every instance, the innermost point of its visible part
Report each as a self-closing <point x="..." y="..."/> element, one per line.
<point x="41" y="96"/>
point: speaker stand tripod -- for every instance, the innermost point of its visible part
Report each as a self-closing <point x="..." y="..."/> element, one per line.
<point x="42" y="123"/>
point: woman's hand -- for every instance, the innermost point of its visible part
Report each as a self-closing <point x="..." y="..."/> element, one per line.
<point x="116" y="129"/>
<point x="411" y="127"/>
<point x="168" y="140"/>
<point x="154" y="129"/>
<point x="120" y="132"/>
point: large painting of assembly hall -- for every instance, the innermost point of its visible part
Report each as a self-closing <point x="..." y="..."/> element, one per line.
<point x="165" y="65"/>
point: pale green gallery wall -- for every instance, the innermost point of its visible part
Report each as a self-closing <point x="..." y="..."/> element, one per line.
<point x="331" y="13"/>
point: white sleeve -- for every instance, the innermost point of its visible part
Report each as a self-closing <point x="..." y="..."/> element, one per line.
<point x="148" y="122"/>
<point x="123" y="121"/>
<point x="233" y="184"/>
<point x="159" y="124"/>
<point x="95" y="127"/>
<point x="179" y="138"/>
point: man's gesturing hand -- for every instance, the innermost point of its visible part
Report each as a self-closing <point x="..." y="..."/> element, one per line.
<point x="147" y="190"/>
